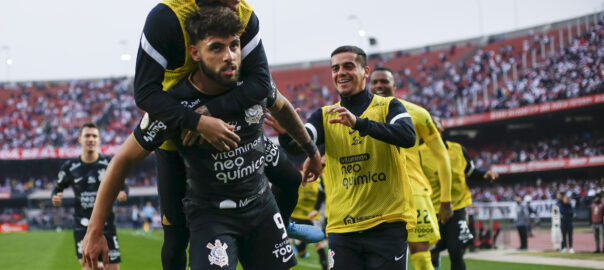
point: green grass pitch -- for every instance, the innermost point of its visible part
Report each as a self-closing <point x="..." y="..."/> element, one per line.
<point x="55" y="250"/>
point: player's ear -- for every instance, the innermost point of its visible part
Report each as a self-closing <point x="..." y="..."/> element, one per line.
<point x="367" y="70"/>
<point x="194" y="52"/>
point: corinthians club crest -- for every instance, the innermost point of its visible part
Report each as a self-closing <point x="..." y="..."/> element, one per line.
<point x="218" y="254"/>
<point x="253" y="114"/>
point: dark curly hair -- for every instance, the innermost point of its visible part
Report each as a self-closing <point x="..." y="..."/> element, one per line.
<point x="212" y="20"/>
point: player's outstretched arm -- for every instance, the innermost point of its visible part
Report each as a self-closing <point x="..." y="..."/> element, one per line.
<point x="397" y="130"/>
<point x="287" y="117"/>
<point x="438" y="149"/>
<point x="94" y="243"/>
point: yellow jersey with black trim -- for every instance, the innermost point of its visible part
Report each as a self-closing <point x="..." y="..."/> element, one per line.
<point x="425" y="130"/>
<point x="182" y="9"/>
<point x="460" y="192"/>
<point x="366" y="183"/>
<point x="307" y="197"/>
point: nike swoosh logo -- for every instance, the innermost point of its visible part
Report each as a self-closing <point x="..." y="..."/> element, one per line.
<point x="78" y="179"/>
<point x="288" y="257"/>
<point x="396" y="258"/>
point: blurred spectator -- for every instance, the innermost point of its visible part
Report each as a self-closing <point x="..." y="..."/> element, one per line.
<point x="595" y="219"/>
<point x="567" y="213"/>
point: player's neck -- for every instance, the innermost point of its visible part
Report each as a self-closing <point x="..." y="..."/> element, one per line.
<point x="356" y="103"/>
<point x="206" y="85"/>
<point x="89" y="156"/>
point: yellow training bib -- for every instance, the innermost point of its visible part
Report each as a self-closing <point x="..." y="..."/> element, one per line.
<point x="366" y="183"/>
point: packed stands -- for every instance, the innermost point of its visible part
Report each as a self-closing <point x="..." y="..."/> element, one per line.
<point x="580" y="189"/>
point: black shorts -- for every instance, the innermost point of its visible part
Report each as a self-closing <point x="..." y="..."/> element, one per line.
<point x="381" y="247"/>
<point x="171" y="186"/>
<point x="79" y="231"/>
<point x="254" y="234"/>
<point x="454" y="234"/>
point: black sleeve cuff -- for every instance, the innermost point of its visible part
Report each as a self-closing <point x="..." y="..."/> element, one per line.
<point x="289" y="144"/>
<point x="191" y="120"/>
<point x="362" y="125"/>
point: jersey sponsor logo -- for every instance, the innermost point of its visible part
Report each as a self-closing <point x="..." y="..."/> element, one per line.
<point x="232" y="165"/>
<point x="144" y="122"/>
<point x="218" y="254"/>
<point x="240" y="172"/>
<point x="355" y="158"/>
<point x="75" y="166"/>
<point x="354" y="177"/>
<point x="87" y="199"/>
<point x="254" y="114"/>
<point x="190" y="104"/>
<point x="77" y="180"/>
<point x="271" y="152"/>
<point x="245" y="202"/>
<point x="349" y="220"/>
<point x="283" y="250"/>
<point x="330" y="260"/>
<point x="155" y="127"/>
<point x="101" y="174"/>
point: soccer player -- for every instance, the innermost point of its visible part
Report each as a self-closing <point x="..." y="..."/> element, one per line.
<point x="455" y="234"/>
<point x="426" y="231"/>
<point x="369" y="202"/>
<point x="84" y="174"/>
<point x="162" y="61"/>
<point x="229" y="212"/>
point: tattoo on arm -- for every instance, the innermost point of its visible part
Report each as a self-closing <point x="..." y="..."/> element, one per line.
<point x="203" y="110"/>
<point x="286" y="116"/>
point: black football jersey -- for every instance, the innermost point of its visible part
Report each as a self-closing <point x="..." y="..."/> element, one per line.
<point x="84" y="179"/>
<point x="212" y="174"/>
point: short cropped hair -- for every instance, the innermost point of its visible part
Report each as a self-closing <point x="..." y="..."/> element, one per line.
<point x="361" y="55"/>
<point x="382" y="69"/>
<point x="89" y="125"/>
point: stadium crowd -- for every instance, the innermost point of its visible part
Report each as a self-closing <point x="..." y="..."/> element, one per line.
<point x="573" y="72"/>
<point x="43" y="114"/>
<point x="526" y="149"/>
<point x="582" y="190"/>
